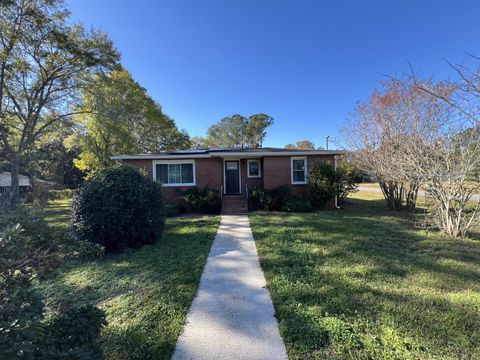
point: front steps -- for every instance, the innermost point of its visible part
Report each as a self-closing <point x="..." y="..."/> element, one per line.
<point x="234" y="205"/>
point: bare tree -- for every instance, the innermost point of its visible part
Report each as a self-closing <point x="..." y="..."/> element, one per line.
<point x="44" y="62"/>
<point x="376" y="134"/>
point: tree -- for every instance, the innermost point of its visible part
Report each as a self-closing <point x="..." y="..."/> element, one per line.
<point x="44" y="61"/>
<point x="239" y="131"/>
<point x="301" y="145"/>
<point x="448" y="172"/>
<point x="52" y="158"/>
<point x="119" y="117"/>
<point x="382" y="128"/>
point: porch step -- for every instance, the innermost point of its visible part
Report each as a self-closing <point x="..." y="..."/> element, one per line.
<point x="234" y="204"/>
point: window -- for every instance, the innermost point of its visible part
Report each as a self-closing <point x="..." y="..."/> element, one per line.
<point x="175" y="173"/>
<point x="299" y="170"/>
<point x="254" y="168"/>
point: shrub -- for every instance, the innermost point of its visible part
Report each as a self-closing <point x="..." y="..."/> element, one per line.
<point x="172" y="210"/>
<point x="271" y="200"/>
<point x="118" y="208"/>
<point x="64" y="194"/>
<point x="75" y="334"/>
<point x="24" y="333"/>
<point x="204" y="201"/>
<point x="297" y="204"/>
<point x="349" y="178"/>
<point x="323" y="184"/>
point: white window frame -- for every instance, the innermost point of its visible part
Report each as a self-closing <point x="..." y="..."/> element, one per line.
<point x="259" y="168"/>
<point x="174" y="162"/>
<point x="305" y="170"/>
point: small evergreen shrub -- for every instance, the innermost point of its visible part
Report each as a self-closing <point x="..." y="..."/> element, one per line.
<point x="205" y="201"/>
<point x="271" y="200"/>
<point x="172" y="210"/>
<point x="119" y="208"/>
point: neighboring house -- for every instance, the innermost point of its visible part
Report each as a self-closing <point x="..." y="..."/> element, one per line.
<point x="25" y="183"/>
<point x="6" y="182"/>
<point x="232" y="172"/>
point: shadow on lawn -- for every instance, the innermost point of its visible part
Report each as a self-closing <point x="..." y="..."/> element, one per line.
<point x="145" y="292"/>
<point x="366" y="262"/>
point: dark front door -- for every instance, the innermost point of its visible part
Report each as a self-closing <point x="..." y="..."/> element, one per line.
<point x="232" y="177"/>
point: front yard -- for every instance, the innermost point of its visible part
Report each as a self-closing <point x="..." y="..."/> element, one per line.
<point x="146" y="293"/>
<point x="365" y="283"/>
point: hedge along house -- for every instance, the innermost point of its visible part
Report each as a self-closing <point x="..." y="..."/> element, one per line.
<point x="231" y="172"/>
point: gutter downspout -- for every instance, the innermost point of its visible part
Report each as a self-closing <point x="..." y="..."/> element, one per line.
<point x="335" y="167"/>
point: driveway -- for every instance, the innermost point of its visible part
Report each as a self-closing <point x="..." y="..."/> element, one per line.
<point x="232" y="315"/>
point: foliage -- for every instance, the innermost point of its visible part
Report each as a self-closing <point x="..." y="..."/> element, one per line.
<point x="44" y="62"/>
<point x="204" y="201"/>
<point x="364" y="283"/>
<point x="301" y="145"/>
<point x="349" y="178"/>
<point x="237" y="131"/>
<point x="382" y="129"/>
<point x="172" y="210"/>
<point x="323" y="183"/>
<point x="64" y="194"/>
<point x="119" y="117"/>
<point x="271" y="200"/>
<point x="26" y="254"/>
<point x="52" y="157"/>
<point x="74" y="334"/>
<point x="119" y="208"/>
<point x="297" y="205"/>
<point x="146" y="292"/>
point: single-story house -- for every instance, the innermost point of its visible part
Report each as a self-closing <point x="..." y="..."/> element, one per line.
<point x="232" y="172"/>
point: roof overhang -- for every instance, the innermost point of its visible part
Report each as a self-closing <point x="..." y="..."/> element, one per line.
<point x="228" y="154"/>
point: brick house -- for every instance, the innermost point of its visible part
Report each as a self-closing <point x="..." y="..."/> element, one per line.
<point x="232" y="172"/>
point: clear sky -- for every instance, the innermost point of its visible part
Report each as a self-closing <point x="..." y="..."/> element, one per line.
<point x="306" y="63"/>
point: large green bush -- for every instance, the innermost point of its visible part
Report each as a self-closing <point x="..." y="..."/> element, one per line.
<point x="204" y="201"/>
<point x="323" y="184"/>
<point x="119" y="208"/>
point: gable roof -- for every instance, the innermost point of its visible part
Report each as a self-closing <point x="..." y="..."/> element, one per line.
<point x="226" y="152"/>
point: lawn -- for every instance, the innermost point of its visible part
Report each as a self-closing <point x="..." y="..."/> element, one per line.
<point x="363" y="282"/>
<point x="146" y="293"/>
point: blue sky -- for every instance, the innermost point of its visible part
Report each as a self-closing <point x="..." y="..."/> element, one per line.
<point x="306" y="63"/>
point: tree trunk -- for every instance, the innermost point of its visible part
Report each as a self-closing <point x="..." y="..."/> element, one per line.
<point x="390" y="192"/>
<point x="14" y="185"/>
<point x="411" y="196"/>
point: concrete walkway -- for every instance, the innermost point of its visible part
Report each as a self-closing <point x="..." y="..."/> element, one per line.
<point x="232" y="315"/>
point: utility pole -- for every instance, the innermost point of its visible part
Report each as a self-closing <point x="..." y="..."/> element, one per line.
<point x="327" y="139"/>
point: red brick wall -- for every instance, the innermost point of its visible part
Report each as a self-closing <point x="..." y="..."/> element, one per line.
<point x="208" y="172"/>
<point x="251" y="182"/>
<point x="277" y="171"/>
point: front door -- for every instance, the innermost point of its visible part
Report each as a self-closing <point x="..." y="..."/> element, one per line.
<point x="232" y="177"/>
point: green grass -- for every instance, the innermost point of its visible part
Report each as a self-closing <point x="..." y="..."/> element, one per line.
<point x="57" y="213"/>
<point x="363" y="282"/>
<point x="146" y="292"/>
